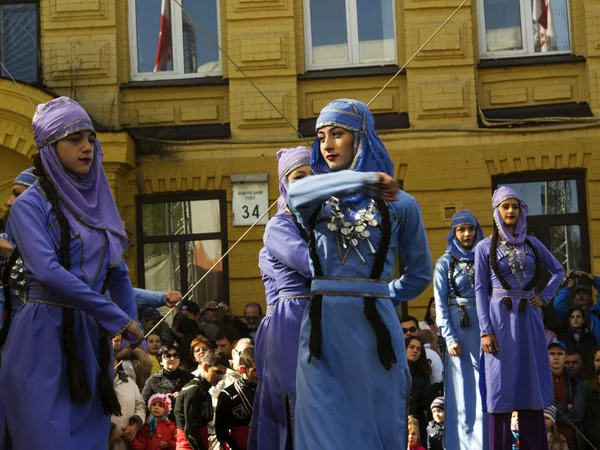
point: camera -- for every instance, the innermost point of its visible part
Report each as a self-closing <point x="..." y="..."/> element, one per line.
<point x="220" y="305"/>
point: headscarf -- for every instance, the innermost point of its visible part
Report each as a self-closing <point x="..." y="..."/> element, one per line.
<point x="26" y="178"/>
<point x="518" y="237"/>
<point x="89" y="199"/>
<point x="370" y="154"/>
<point x="288" y="160"/>
<point x="463" y="217"/>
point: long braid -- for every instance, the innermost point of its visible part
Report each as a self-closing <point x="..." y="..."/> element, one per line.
<point x="315" y="311"/>
<point x="6" y="287"/>
<point x="385" y="347"/>
<point x="536" y="272"/>
<point x="451" y="274"/>
<point x="79" y="385"/>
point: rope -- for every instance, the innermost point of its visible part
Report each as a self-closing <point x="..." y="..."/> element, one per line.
<point x="576" y="429"/>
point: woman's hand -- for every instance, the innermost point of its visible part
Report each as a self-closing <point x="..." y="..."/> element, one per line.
<point x="134" y="334"/>
<point x="130" y="432"/>
<point x="536" y="302"/>
<point x="455" y="349"/>
<point x="387" y="188"/>
<point x="489" y="344"/>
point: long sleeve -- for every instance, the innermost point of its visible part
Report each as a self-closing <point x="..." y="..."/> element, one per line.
<point x="148" y="299"/>
<point x="413" y="244"/>
<point x="141" y="440"/>
<point x="304" y="196"/>
<point x="121" y="292"/>
<point x="28" y="228"/>
<point x="577" y="412"/>
<point x="224" y="421"/>
<point x="285" y="243"/>
<point x="140" y="409"/>
<point x="441" y="291"/>
<point x="482" y="287"/>
<point x="561" y="302"/>
<point x="553" y="266"/>
<point x="178" y="409"/>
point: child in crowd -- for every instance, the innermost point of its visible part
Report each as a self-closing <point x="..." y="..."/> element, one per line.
<point x="556" y="441"/>
<point x="234" y="406"/>
<point x="514" y="428"/>
<point x="414" y="441"/>
<point x="435" y="429"/>
<point x="154" y="343"/>
<point x="124" y="428"/>
<point x="158" y="432"/>
<point x="193" y="408"/>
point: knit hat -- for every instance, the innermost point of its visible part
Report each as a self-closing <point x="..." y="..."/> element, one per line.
<point x="438" y="403"/>
<point x="161" y="398"/>
<point x="26" y="178"/>
<point x="550" y="413"/>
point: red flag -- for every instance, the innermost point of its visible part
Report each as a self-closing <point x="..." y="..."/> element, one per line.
<point x="164" y="52"/>
<point x="543" y="16"/>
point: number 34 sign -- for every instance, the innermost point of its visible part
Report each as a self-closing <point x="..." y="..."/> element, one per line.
<point x="250" y="198"/>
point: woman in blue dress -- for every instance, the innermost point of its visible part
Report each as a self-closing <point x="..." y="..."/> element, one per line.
<point x="515" y="365"/>
<point x="56" y="382"/>
<point x="456" y="316"/>
<point x="353" y="383"/>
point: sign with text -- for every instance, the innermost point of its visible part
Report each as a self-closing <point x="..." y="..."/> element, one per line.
<point x="250" y="198"/>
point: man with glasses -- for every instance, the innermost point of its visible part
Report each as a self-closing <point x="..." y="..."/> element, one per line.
<point x="410" y="327"/>
<point x="253" y="314"/>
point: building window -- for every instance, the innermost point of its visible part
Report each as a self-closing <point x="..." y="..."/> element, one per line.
<point x="348" y="33"/>
<point x="511" y="28"/>
<point x="19" y="40"/>
<point x="166" y="43"/>
<point x="557" y="213"/>
<point x="180" y="237"/>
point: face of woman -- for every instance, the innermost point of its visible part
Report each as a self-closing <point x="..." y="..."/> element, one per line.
<point x="337" y="147"/>
<point x="597" y="361"/>
<point x="76" y="152"/>
<point x="170" y="360"/>
<point x="509" y="212"/>
<point x="200" y="351"/>
<point x="412" y="436"/>
<point x="432" y="310"/>
<point x="299" y="173"/>
<point x="413" y="351"/>
<point x="465" y="235"/>
<point x="153" y="343"/>
<point x="576" y="319"/>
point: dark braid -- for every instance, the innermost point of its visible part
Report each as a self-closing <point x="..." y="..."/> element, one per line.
<point x="451" y="273"/>
<point x="79" y="385"/>
<point x="494" y="264"/>
<point x="6" y="287"/>
<point x="385" y="347"/>
<point x="315" y="310"/>
<point x="301" y="230"/>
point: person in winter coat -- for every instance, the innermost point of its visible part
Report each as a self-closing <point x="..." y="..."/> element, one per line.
<point x="435" y="429"/>
<point x="591" y="424"/>
<point x="159" y="432"/>
<point x="576" y="338"/>
<point x="420" y="370"/>
<point x="170" y="380"/>
<point x="125" y="427"/>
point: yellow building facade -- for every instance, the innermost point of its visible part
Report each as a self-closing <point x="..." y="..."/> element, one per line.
<point x="476" y="108"/>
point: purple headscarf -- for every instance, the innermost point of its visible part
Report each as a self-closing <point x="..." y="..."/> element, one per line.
<point x="518" y="237"/>
<point x="289" y="159"/>
<point x="87" y="200"/>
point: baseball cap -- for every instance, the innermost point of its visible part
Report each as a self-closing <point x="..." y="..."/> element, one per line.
<point x="151" y="314"/>
<point x="557" y="343"/>
<point x="190" y="307"/>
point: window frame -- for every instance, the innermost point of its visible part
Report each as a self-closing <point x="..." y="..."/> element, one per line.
<point x="528" y="42"/>
<point x="544" y="222"/>
<point x="351" y="36"/>
<point x="177" y="47"/>
<point x="181" y="239"/>
<point x="38" y="36"/>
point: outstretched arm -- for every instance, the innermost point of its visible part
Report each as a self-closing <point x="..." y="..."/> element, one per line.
<point x="28" y="228"/>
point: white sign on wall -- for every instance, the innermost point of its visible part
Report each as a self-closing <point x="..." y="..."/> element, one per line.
<point x="250" y="198"/>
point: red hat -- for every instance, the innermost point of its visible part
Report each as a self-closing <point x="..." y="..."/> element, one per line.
<point x="161" y="398"/>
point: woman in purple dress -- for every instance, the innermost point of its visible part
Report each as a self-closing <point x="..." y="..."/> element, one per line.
<point x="56" y="381"/>
<point x="516" y="369"/>
<point x="285" y="258"/>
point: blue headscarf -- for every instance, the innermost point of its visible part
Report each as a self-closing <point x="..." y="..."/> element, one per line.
<point x="370" y="154"/>
<point x="463" y="217"/>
